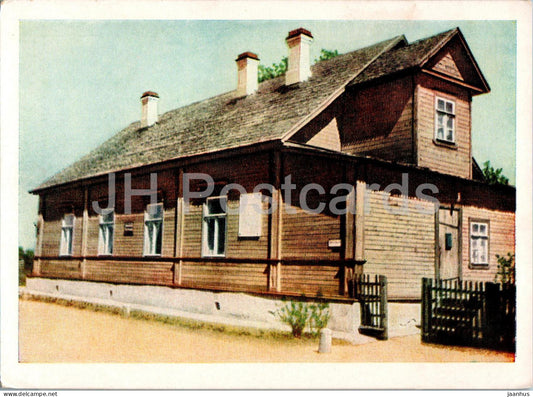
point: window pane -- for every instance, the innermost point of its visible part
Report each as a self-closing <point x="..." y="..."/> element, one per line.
<point x="214" y="206"/>
<point x="210" y="223"/>
<point x="69" y="241"/>
<point x="483" y="229"/>
<point x="109" y="240"/>
<point x="221" y="238"/>
<point x="440" y="133"/>
<point x="107" y="218"/>
<point x="449" y="107"/>
<point x="440" y="119"/>
<point x="68" y="220"/>
<point x="154" y="211"/>
<point x="475" y="227"/>
<point x="449" y="122"/>
<point x="159" y="238"/>
<point x="449" y="136"/>
<point x="440" y="104"/>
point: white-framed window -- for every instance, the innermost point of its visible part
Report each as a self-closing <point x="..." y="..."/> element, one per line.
<point x="153" y="229"/>
<point x="479" y="243"/>
<point x="214" y="227"/>
<point x="67" y="231"/>
<point x="106" y="233"/>
<point x="444" y="120"/>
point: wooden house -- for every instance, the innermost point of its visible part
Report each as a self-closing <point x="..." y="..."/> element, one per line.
<point x="392" y="120"/>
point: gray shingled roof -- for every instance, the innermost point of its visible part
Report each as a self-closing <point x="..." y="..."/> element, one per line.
<point x="222" y="122"/>
<point x="225" y="122"/>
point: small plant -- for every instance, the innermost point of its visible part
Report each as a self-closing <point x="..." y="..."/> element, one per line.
<point x="319" y="317"/>
<point x="506" y="269"/>
<point x="300" y="315"/>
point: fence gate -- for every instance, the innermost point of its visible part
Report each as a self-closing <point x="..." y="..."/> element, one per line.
<point x="371" y="292"/>
<point x="469" y="314"/>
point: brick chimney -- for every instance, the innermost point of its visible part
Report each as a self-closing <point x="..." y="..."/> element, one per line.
<point x="150" y="115"/>
<point x="299" y="68"/>
<point x="247" y="63"/>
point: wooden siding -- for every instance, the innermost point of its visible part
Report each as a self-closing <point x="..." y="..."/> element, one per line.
<point x="310" y="280"/>
<point x="399" y="246"/>
<point x="135" y="272"/>
<point x="449" y="159"/>
<point x="306" y="234"/>
<point x="328" y="137"/>
<point x="323" y="130"/>
<point x="446" y="64"/>
<point x="501" y="240"/>
<point x="226" y="276"/>
<point x="378" y="121"/>
<point x="61" y="269"/>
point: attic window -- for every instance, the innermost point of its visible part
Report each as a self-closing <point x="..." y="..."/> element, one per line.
<point x="444" y="120"/>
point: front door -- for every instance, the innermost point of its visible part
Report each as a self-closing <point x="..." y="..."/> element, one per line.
<point x="448" y="245"/>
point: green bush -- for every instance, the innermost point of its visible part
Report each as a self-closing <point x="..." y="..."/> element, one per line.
<point x="300" y="315"/>
<point x="506" y="269"/>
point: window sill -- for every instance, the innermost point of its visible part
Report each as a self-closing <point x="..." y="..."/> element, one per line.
<point x="478" y="266"/>
<point x="449" y="145"/>
<point x="213" y="256"/>
<point x="151" y="255"/>
<point x="105" y="255"/>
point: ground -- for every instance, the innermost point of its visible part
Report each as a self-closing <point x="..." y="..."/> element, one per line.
<point x="53" y="333"/>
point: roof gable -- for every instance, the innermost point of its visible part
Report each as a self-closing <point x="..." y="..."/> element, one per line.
<point x="454" y="59"/>
<point x="446" y="53"/>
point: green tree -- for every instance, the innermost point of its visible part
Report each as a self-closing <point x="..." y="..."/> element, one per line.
<point x="270" y="72"/>
<point x="278" y="69"/>
<point x="494" y="176"/>
<point x="25" y="264"/>
<point x="326" y="54"/>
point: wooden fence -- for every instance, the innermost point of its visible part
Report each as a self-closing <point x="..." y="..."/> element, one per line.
<point x="371" y="292"/>
<point x="469" y="314"/>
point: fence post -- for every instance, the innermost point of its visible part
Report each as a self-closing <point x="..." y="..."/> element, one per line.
<point x="426" y="308"/>
<point x="384" y="310"/>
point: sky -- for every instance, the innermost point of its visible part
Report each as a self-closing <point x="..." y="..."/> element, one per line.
<point x="80" y="82"/>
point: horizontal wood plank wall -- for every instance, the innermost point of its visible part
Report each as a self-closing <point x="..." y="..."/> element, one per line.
<point x="61" y="268"/>
<point x="305" y="235"/>
<point x="247" y="171"/>
<point x="238" y="247"/>
<point x="501" y="240"/>
<point x="399" y="246"/>
<point x="192" y="237"/>
<point x="310" y="280"/>
<point x="448" y="159"/>
<point x="57" y="204"/>
<point x="378" y="121"/>
<point x="323" y="130"/>
<point x="155" y="273"/>
<point x="51" y="238"/>
<point x="226" y="276"/>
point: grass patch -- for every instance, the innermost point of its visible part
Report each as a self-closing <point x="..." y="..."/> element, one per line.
<point x="181" y="322"/>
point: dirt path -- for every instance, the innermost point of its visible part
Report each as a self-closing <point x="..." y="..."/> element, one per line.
<point x="54" y="333"/>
